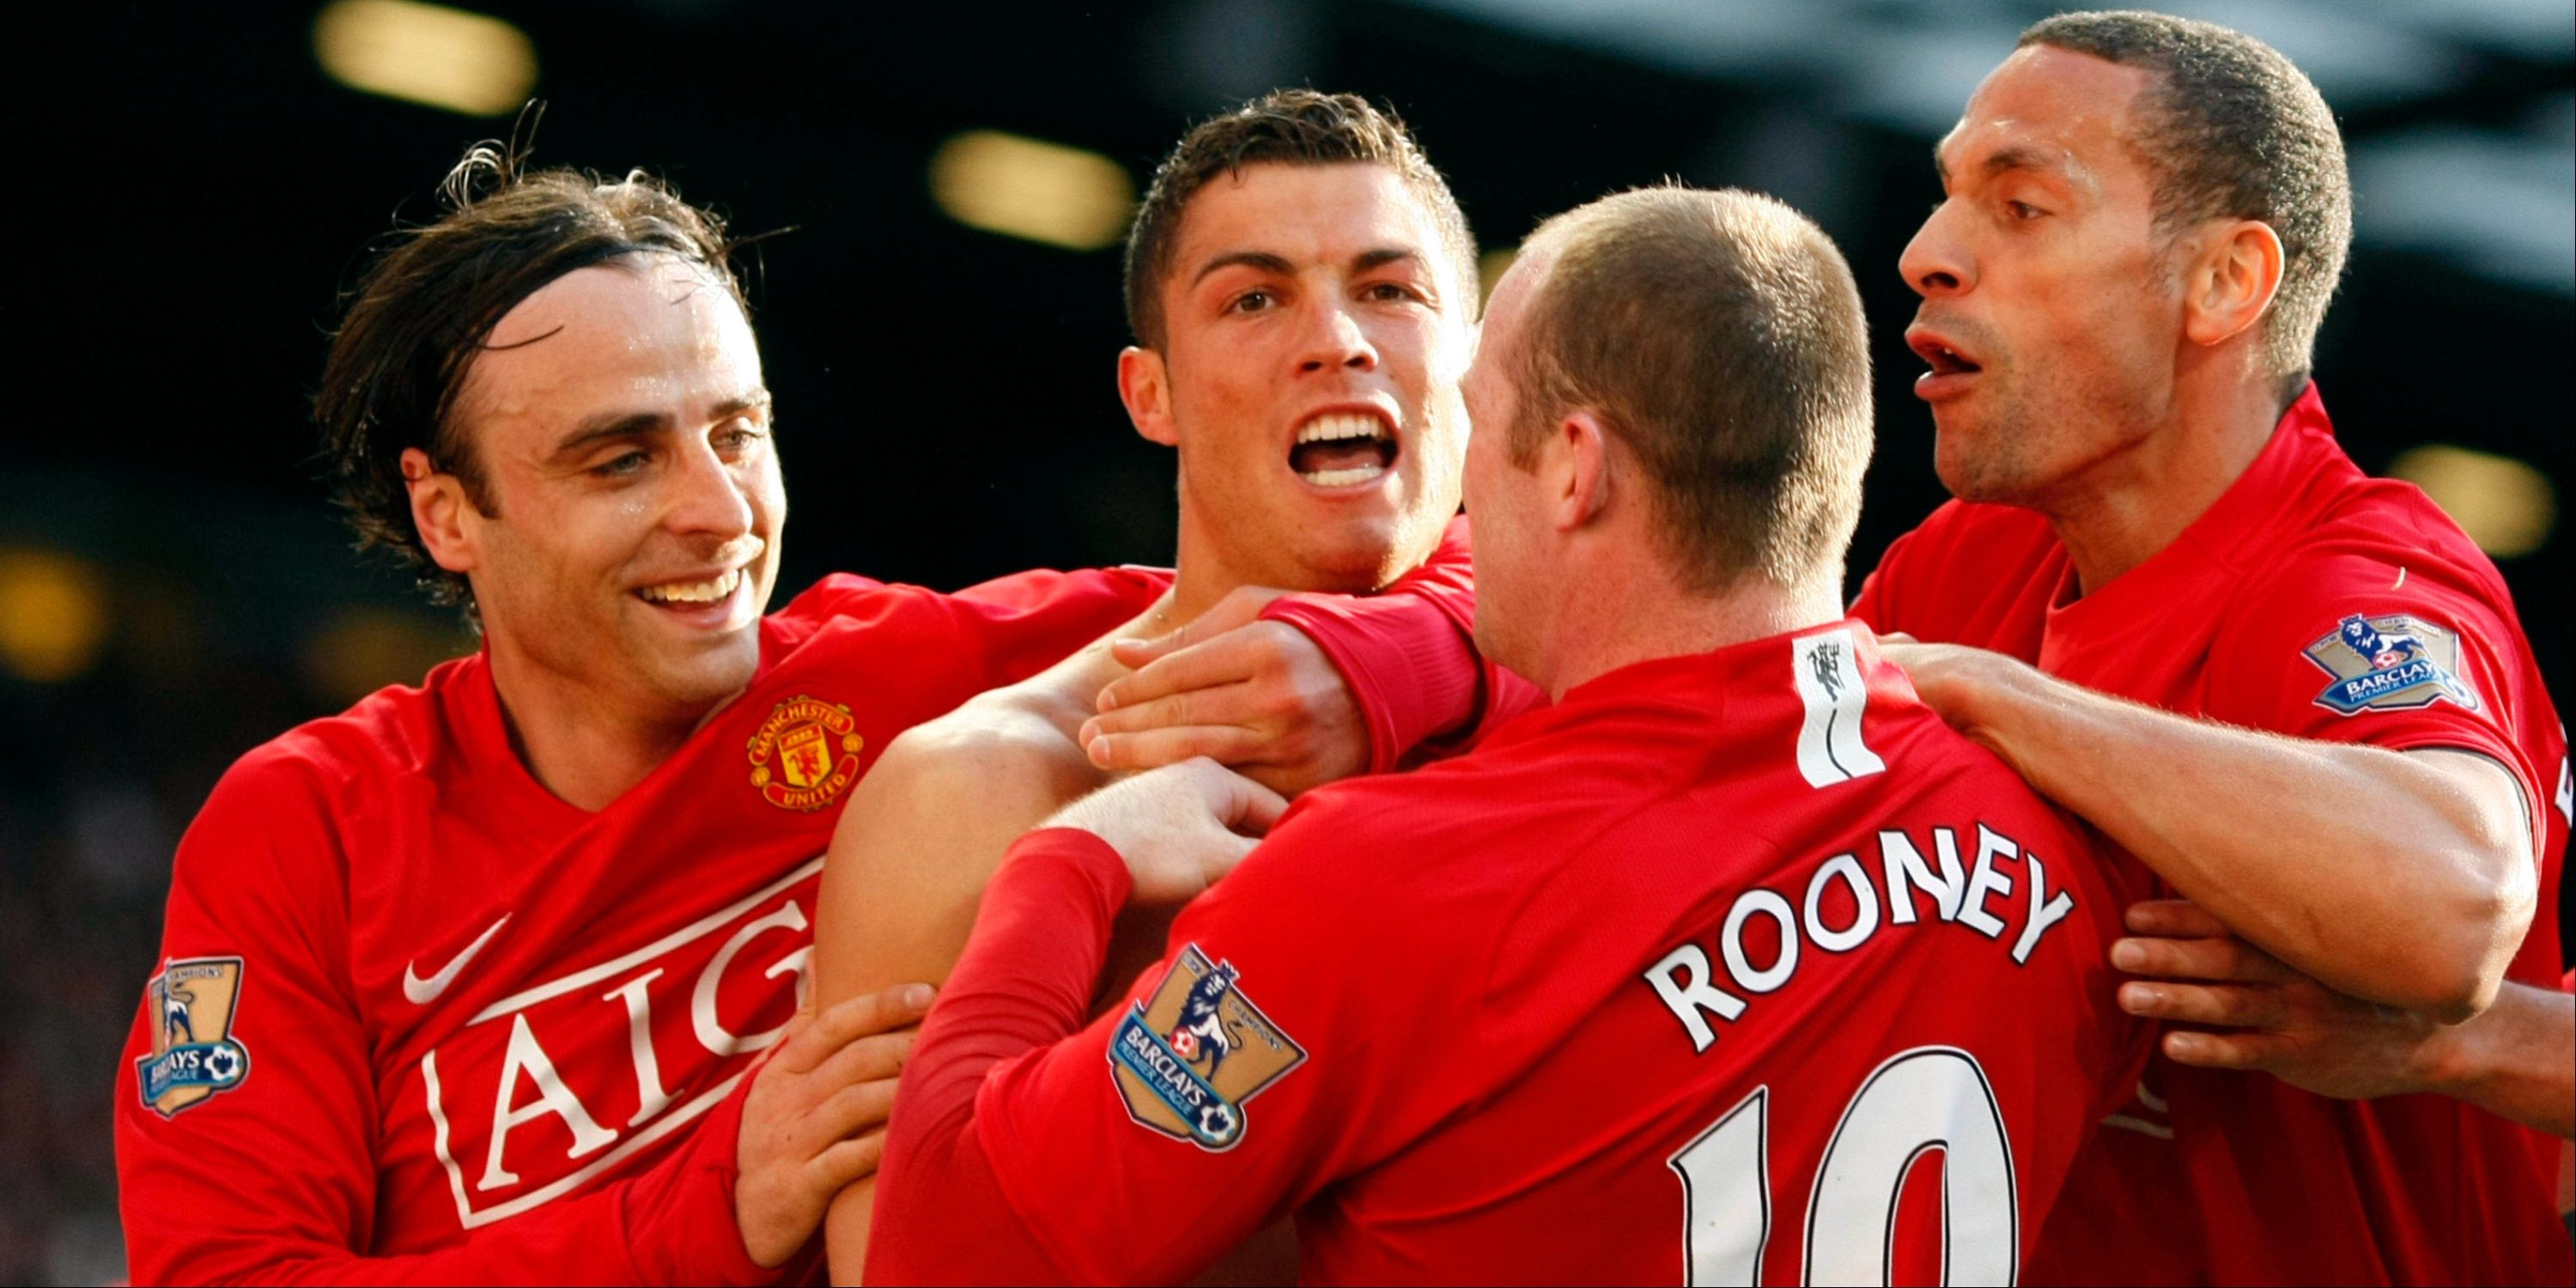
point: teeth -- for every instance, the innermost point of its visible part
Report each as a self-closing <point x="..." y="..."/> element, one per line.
<point x="693" y="592"/>
<point x="1326" y="429"/>
<point x="1343" y="478"/>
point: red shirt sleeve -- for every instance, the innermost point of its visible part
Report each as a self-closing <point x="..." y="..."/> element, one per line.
<point x="272" y="1178"/>
<point x="1074" y="1160"/>
<point x="1409" y="657"/>
<point x="1017" y="626"/>
<point x="2351" y="645"/>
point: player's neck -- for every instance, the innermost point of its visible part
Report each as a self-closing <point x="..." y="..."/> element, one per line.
<point x="2122" y="510"/>
<point x="1612" y="616"/>
<point x="585" y="744"/>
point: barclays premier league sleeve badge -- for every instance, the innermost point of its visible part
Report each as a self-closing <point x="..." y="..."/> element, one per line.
<point x="2389" y="663"/>
<point x="1186" y="1059"/>
<point x="194" y="1056"/>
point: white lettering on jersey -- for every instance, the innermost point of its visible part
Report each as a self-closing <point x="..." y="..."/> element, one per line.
<point x="577" y="1048"/>
<point x="526" y="1057"/>
<point x="1682" y="981"/>
<point x="1688" y="999"/>
<point x="1827" y="674"/>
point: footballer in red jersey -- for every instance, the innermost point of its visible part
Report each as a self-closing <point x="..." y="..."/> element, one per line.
<point x="1736" y="963"/>
<point x="2144" y="218"/>
<point x="473" y="982"/>
<point x="1303" y="292"/>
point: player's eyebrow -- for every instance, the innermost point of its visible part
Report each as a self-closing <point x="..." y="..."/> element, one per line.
<point x="1382" y="256"/>
<point x="1261" y="259"/>
<point x="636" y="424"/>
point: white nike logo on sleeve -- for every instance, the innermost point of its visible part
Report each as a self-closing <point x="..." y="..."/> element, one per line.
<point x="422" y="992"/>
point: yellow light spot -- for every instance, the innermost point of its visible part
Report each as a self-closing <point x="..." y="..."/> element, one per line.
<point x="2506" y="506"/>
<point x="53" y="615"/>
<point x="426" y="53"/>
<point x="1031" y="189"/>
<point x="1491" y="266"/>
<point x="357" y="651"/>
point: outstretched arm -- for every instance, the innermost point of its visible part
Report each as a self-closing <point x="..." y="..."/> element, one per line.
<point x="2406" y="878"/>
<point x="2517" y="1058"/>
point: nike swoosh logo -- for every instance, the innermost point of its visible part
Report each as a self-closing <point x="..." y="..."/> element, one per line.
<point x="422" y="992"/>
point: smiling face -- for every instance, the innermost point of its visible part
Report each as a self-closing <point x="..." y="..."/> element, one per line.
<point x="1314" y="340"/>
<point x="2052" y="307"/>
<point x="622" y="431"/>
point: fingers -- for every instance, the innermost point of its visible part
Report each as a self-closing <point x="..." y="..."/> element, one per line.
<point x="1154" y="748"/>
<point x="2174" y="919"/>
<point x="835" y="1169"/>
<point x="1224" y="660"/>
<point x="2218" y="959"/>
<point x="1231" y="702"/>
<point x="1248" y="807"/>
<point x="1241" y="606"/>
<point x="811" y="1042"/>
<point x="866" y="1060"/>
<point x="851" y="1110"/>
<point x="2226" y="1050"/>
<point x="2225" y="1005"/>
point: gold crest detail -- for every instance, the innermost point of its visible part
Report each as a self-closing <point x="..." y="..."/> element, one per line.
<point x="805" y="754"/>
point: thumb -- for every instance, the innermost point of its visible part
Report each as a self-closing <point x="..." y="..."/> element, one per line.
<point x="1248" y="808"/>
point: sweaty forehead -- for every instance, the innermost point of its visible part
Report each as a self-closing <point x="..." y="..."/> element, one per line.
<point x="2048" y="108"/>
<point x="1305" y="214"/>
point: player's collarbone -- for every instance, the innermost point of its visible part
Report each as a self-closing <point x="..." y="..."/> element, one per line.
<point x="1977" y="878"/>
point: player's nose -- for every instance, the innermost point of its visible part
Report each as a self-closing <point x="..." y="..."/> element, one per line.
<point x="1936" y="262"/>
<point x="1335" y="340"/>
<point x="708" y="497"/>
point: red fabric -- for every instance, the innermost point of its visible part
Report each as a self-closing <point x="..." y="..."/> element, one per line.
<point x="1409" y="656"/>
<point x="1491" y="1090"/>
<point x="2282" y="1186"/>
<point x="386" y="841"/>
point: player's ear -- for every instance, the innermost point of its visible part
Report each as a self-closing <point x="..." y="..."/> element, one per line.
<point x="1576" y="469"/>
<point x="438" y="509"/>
<point x="2231" y="283"/>
<point x="1144" y="384"/>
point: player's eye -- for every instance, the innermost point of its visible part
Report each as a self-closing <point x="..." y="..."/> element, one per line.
<point x="623" y="465"/>
<point x="1252" y="301"/>
<point x="737" y="438"/>
<point x="1390" y="292"/>
<point x="2022" y="211"/>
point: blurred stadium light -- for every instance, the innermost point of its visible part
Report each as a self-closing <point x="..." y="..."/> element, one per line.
<point x="361" y="648"/>
<point x="426" y="53"/>
<point x="2505" y="506"/>
<point x="1032" y="189"/>
<point x="53" y="615"/>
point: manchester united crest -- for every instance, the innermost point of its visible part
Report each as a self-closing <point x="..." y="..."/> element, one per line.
<point x="805" y="754"/>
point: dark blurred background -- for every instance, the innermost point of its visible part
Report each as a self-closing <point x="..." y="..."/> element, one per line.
<point x="196" y="186"/>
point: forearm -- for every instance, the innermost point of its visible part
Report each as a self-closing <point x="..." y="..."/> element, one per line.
<point x="2362" y="867"/>
<point x="1024" y="982"/>
<point x="2517" y="1059"/>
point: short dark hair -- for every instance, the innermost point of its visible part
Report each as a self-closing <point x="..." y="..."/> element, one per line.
<point x="427" y="305"/>
<point x="2234" y="131"/>
<point x="1282" y="127"/>
<point x="1719" y="335"/>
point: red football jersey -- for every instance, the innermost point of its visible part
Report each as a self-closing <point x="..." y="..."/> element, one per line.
<point x="406" y="994"/>
<point x="2314" y="601"/>
<point x="1733" y="965"/>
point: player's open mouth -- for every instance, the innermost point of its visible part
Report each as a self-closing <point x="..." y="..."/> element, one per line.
<point x="1343" y="449"/>
<point x="1952" y="368"/>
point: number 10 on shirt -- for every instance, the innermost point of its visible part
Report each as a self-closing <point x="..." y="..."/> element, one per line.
<point x="1918" y="1101"/>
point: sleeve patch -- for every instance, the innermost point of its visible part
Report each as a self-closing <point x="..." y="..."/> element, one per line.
<point x="1186" y="1059"/>
<point x="2389" y="663"/>
<point x="194" y="1056"/>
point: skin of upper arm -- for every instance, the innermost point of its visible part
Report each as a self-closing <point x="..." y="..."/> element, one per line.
<point x="2506" y="821"/>
<point x="923" y="834"/>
